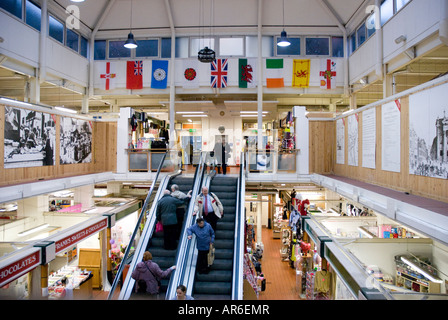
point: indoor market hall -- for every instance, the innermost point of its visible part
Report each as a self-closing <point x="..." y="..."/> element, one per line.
<point x="232" y="153"/>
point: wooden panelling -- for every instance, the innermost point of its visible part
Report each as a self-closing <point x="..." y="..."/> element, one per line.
<point x="323" y="159"/>
<point x="322" y="142"/>
<point x="104" y="145"/>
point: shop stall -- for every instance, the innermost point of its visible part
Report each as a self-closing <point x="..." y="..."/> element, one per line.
<point x="405" y="268"/>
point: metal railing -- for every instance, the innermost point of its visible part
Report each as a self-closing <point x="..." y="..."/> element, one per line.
<point x="239" y="246"/>
<point x="183" y="248"/>
<point x="187" y="254"/>
<point x="127" y="253"/>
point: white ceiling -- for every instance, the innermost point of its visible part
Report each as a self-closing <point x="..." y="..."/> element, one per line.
<point x="230" y="17"/>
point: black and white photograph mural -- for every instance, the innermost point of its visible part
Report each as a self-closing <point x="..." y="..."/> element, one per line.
<point x="428" y="133"/>
<point x="76" y="141"/>
<point x="30" y="138"/>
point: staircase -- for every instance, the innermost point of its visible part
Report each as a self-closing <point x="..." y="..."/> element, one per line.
<point x="217" y="284"/>
<point x="167" y="258"/>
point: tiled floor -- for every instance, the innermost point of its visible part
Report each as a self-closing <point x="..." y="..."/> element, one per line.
<point x="280" y="277"/>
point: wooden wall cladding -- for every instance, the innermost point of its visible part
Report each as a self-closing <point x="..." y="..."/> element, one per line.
<point x="104" y="156"/>
<point x="323" y="158"/>
<point x="322" y="144"/>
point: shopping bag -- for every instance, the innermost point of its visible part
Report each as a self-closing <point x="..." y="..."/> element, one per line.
<point x="211" y="255"/>
<point x="159" y="227"/>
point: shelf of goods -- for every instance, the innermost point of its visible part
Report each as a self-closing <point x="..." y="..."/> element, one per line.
<point x="409" y="278"/>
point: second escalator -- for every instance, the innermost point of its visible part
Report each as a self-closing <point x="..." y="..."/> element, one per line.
<point x="217" y="284"/>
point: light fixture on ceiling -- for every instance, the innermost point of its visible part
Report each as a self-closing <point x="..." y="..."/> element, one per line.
<point x="400" y="39"/>
<point x="66" y="109"/>
<point x="420" y="270"/>
<point x="207" y="55"/>
<point x="283" y="41"/>
<point x="77" y="0"/>
<point x="130" y="42"/>
<point x="195" y="116"/>
<point x="33" y="230"/>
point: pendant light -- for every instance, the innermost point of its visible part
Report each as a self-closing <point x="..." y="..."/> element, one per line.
<point x="283" y="42"/>
<point x="130" y="42"/>
<point x="206" y="55"/>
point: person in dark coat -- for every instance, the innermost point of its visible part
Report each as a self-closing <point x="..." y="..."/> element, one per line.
<point x="222" y="152"/>
<point x="150" y="273"/>
<point x="166" y="213"/>
<point x="205" y="236"/>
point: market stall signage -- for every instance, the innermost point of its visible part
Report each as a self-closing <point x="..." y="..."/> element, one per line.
<point x="19" y="268"/>
<point x="76" y="237"/>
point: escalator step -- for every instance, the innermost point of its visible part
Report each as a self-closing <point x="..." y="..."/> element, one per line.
<point x="213" y="288"/>
<point x="224" y="234"/>
<point x="216" y="275"/>
<point x="224" y="244"/>
<point x="222" y="264"/>
<point x="224" y="254"/>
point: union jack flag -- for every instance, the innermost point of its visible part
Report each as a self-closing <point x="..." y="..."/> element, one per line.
<point x="219" y="69"/>
<point x="138" y="68"/>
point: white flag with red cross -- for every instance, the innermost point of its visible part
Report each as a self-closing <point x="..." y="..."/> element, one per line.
<point x="107" y="75"/>
<point x="328" y="74"/>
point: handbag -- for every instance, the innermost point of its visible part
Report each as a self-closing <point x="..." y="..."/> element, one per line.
<point x="211" y="254"/>
<point x="159" y="283"/>
<point x="159" y="227"/>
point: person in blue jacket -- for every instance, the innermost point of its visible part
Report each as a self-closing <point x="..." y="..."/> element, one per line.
<point x="205" y="237"/>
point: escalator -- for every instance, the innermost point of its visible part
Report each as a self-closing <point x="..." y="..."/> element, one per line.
<point x="167" y="258"/>
<point x="152" y="241"/>
<point x="217" y="284"/>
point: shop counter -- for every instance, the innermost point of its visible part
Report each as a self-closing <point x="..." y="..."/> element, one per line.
<point x="82" y="285"/>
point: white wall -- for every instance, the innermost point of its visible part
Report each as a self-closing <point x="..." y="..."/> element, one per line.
<point x="21" y="42"/>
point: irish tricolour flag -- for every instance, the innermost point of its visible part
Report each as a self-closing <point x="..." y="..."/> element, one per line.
<point x="274" y="73"/>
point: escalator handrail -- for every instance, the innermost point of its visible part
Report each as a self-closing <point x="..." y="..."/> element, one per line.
<point x="137" y="227"/>
<point x="197" y="173"/>
<point x="184" y="249"/>
<point x="238" y="253"/>
<point x="146" y="236"/>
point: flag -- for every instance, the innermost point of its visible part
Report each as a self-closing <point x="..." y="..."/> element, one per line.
<point x="219" y="69"/>
<point x="247" y="76"/>
<point x="301" y="73"/>
<point x="274" y="73"/>
<point x="191" y="75"/>
<point x="327" y="74"/>
<point x="159" y="74"/>
<point x="134" y="75"/>
<point x="108" y="77"/>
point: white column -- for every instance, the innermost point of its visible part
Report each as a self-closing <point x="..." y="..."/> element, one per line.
<point x="259" y="218"/>
<point x="301" y="132"/>
<point x="84" y="196"/>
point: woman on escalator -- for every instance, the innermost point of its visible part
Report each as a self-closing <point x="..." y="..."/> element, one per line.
<point x="148" y="274"/>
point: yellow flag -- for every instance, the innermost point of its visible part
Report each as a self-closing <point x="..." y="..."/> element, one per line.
<point x="301" y="73"/>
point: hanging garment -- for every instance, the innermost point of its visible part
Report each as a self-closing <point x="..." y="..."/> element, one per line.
<point x="294" y="220"/>
<point x="322" y="281"/>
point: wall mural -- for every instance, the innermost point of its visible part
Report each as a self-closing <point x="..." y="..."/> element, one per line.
<point x="75" y="141"/>
<point x="428" y="133"/>
<point x="30" y="138"/>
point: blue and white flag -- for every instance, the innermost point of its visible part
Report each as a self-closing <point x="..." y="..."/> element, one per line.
<point x="159" y="74"/>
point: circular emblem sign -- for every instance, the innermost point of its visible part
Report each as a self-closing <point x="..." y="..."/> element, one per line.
<point x="159" y="74"/>
<point x="190" y="74"/>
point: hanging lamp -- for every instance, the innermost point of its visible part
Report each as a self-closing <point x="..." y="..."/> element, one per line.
<point x="283" y="41"/>
<point x="206" y="54"/>
<point x="130" y="42"/>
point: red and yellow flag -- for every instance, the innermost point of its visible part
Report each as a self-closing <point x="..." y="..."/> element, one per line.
<point x="301" y="73"/>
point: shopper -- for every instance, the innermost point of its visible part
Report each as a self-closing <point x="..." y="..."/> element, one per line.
<point x="150" y="274"/>
<point x="205" y="237"/>
<point x="181" y="293"/>
<point x="209" y="207"/>
<point x="166" y="213"/>
<point x="180" y="211"/>
<point x="222" y="151"/>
